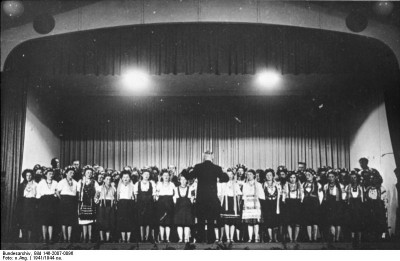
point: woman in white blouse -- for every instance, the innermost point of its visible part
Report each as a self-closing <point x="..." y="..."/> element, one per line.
<point x="165" y="205"/>
<point x="125" y="206"/>
<point x="230" y="196"/>
<point x="293" y="195"/>
<point x="145" y="193"/>
<point x="26" y="206"/>
<point x="46" y="193"/>
<point x="183" y="216"/>
<point x="67" y="191"/>
<point x="252" y="193"/>
<point x="106" y="198"/>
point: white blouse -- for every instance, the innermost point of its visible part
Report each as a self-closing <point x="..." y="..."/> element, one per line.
<point x="65" y="189"/>
<point x="165" y="190"/>
<point x="144" y="187"/>
<point x="253" y="187"/>
<point x="30" y="190"/>
<point x="43" y="188"/>
<point x="124" y="191"/>
<point x="228" y="188"/>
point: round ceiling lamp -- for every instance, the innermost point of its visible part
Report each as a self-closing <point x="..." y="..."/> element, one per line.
<point x="13" y="8"/>
<point x="356" y="22"/>
<point x="44" y="24"/>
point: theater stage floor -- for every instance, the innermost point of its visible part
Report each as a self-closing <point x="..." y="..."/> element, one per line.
<point x="198" y="246"/>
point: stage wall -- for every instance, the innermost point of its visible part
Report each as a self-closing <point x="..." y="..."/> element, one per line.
<point x="257" y="131"/>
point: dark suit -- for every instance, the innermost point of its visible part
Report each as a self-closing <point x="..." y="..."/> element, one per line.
<point x="208" y="206"/>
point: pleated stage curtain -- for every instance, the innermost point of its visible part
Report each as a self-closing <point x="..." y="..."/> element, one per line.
<point x="13" y="111"/>
<point x="259" y="132"/>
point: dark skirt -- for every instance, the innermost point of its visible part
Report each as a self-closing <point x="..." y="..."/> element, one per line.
<point x="145" y="210"/>
<point x="165" y="211"/>
<point x="251" y="221"/>
<point x="375" y="216"/>
<point x="125" y="215"/>
<point x="106" y="215"/>
<point x="29" y="213"/>
<point x="355" y="213"/>
<point x="228" y="217"/>
<point x="292" y="211"/>
<point x="48" y="210"/>
<point x="333" y="212"/>
<point x="183" y="212"/>
<point x="87" y="212"/>
<point x="310" y="211"/>
<point x="282" y="211"/>
<point x="270" y="217"/>
<point x="68" y="210"/>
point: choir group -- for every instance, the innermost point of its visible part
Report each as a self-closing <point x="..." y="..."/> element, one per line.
<point x="97" y="204"/>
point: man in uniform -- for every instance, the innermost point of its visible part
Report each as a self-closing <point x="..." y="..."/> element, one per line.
<point x="208" y="206"/>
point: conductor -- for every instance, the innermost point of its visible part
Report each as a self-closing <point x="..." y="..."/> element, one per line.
<point x="208" y="206"/>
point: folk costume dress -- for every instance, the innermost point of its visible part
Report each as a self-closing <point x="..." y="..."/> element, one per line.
<point x="146" y="212"/>
<point x="48" y="201"/>
<point x="311" y="207"/>
<point x="230" y="212"/>
<point x="125" y="207"/>
<point x="332" y="205"/>
<point x="26" y="206"/>
<point x="355" y="209"/>
<point x="165" y="203"/>
<point x="68" y="207"/>
<point x="293" y="196"/>
<point x="375" y="204"/>
<point x="270" y="206"/>
<point x="106" y="199"/>
<point x="183" y="216"/>
<point x="252" y="193"/>
<point x="87" y="207"/>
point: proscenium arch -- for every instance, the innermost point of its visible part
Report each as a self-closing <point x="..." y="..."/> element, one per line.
<point x="105" y="14"/>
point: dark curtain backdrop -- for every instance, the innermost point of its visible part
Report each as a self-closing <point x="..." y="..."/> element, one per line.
<point x="202" y="48"/>
<point x="13" y="111"/>
<point x="257" y="131"/>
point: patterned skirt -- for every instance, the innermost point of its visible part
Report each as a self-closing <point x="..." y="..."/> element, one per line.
<point x="251" y="210"/>
<point x="87" y="214"/>
<point x="228" y="215"/>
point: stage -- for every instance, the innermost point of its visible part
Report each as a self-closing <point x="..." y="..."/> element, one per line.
<point x="202" y="246"/>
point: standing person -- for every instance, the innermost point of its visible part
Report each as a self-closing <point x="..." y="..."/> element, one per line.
<point x="27" y="204"/>
<point x="367" y="173"/>
<point x="67" y="191"/>
<point x="334" y="193"/>
<point x="172" y="173"/>
<point x="355" y="200"/>
<point x="251" y="215"/>
<point x="311" y="204"/>
<point x="270" y="206"/>
<point x="106" y="198"/>
<point x="208" y="206"/>
<point x="38" y="170"/>
<point x="87" y="207"/>
<point x="125" y="206"/>
<point x="46" y="193"/>
<point x="230" y="201"/>
<point x="55" y="165"/>
<point x="292" y="198"/>
<point x="282" y="179"/>
<point x="376" y="206"/>
<point x="165" y="205"/>
<point x="78" y="171"/>
<point x="145" y="193"/>
<point x="183" y="216"/>
<point x="301" y="167"/>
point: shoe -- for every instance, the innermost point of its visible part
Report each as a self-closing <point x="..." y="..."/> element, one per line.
<point x="181" y="241"/>
<point x="257" y="240"/>
<point x="249" y="241"/>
